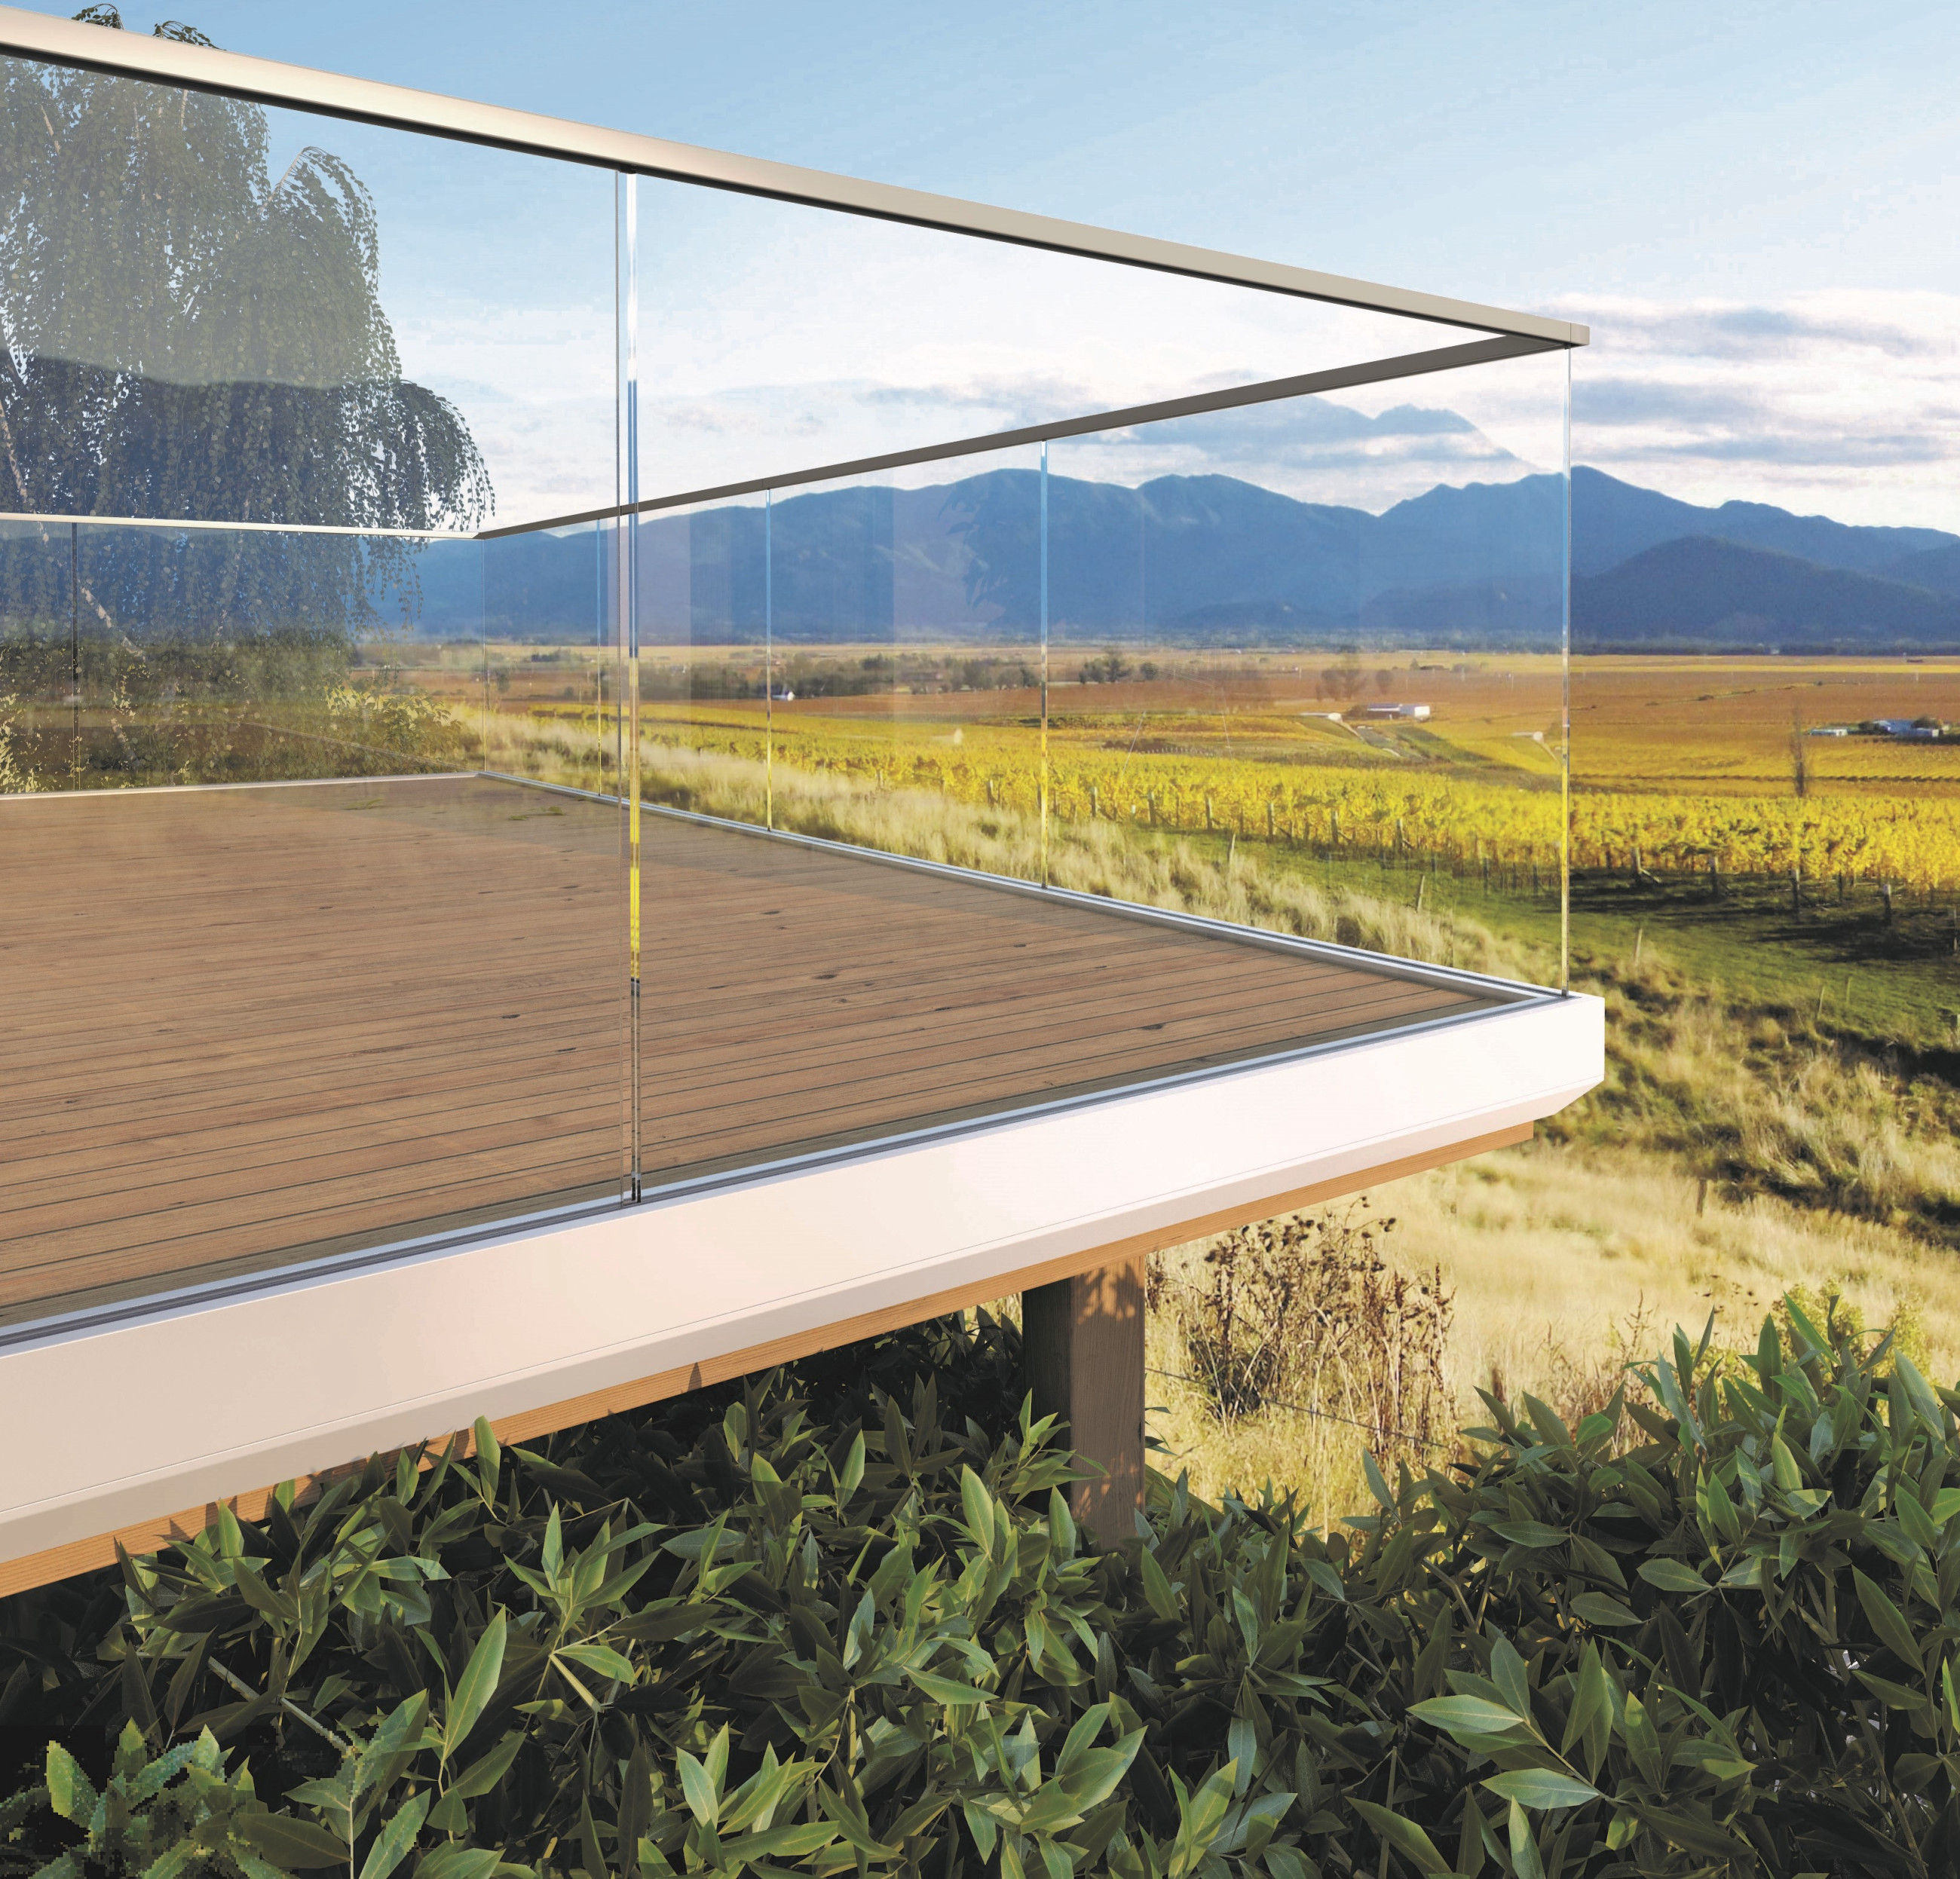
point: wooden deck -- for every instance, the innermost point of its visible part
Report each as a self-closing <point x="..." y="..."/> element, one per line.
<point x="246" y="1026"/>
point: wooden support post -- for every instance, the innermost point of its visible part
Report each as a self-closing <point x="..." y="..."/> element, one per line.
<point x="1082" y="1346"/>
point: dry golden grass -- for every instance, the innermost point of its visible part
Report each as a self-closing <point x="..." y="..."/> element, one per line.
<point x="1564" y="1266"/>
<point x="1100" y="858"/>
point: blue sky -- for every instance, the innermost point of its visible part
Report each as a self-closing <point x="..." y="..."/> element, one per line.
<point x="1753" y="204"/>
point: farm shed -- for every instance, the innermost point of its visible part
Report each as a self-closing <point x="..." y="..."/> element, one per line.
<point x="389" y="1051"/>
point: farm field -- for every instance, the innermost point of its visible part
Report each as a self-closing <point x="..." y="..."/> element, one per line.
<point x="1684" y="767"/>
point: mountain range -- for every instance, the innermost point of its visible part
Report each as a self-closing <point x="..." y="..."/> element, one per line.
<point x="1217" y="560"/>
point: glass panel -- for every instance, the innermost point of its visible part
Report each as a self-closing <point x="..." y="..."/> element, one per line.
<point x="906" y="641"/>
<point x="859" y="663"/>
<point x="897" y="337"/>
<point x="216" y="311"/>
<point x="705" y="708"/>
<point x="1309" y="655"/>
<point x="306" y="981"/>
<point x="331" y="987"/>
<point x="372" y="799"/>
<point x="550" y="685"/>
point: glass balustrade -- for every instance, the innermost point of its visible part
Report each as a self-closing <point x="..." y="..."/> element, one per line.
<point x="523" y="688"/>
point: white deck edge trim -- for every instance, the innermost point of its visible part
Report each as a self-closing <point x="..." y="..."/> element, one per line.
<point x="43" y="36"/>
<point x="137" y="1422"/>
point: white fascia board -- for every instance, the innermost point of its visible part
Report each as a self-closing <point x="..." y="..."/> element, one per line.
<point x="204" y="1400"/>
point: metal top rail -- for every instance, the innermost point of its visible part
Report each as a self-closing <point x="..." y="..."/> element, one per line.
<point x="71" y="42"/>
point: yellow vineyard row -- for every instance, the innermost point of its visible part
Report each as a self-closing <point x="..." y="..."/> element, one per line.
<point x="1460" y="820"/>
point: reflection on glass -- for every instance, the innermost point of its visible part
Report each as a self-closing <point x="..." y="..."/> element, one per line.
<point x="138" y="655"/>
<point x="906" y="655"/>
<point x="196" y="324"/>
<point x="704" y="579"/>
<point x="551" y="680"/>
<point x="897" y="337"/>
<point x="1309" y="655"/>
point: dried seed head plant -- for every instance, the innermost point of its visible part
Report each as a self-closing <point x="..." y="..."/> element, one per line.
<point x="1306" y="1312"/>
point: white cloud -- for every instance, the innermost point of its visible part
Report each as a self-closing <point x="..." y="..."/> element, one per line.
<point x="1844" y="403"/>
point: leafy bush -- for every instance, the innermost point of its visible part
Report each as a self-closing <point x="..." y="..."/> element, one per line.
<point x="732" y="1633"/>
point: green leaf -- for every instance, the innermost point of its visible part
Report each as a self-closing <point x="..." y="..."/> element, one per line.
<point x="1525" y="1860"/>
<point x="70" y="1792"/>
<point x="478" y="1685"/>
<point x="1541" y="1787"/>
<point x="1508" y="1672"/>
<point x="944" y="1689"/>
<point x="1530" y="1533"/>
<point x="977" y="1505"/>
<point x="1673" y="1575"/>
<point x="1460" y="1716"/>
<point x="600" y="1658"/>
<point x="853" y="1470"/>
<point x="296" y="1845"/>
<point x="1599" y="1608"/>
<point x="1405" y="1836"/>
<point x="1163" y="1600"/>
<point x="392" y="1744"/>
<point x="704" y="1798"/>
<point x="551" y="1560"/>
<point x="489" y="1456"/>
<point x="1888" y="1621"/>
<point x="484" y="1773"/>
<point x="1893" y="1696"/>
<point x="392" y="1847"/>
<point x="458" y="1863"/>
<point x="1643" y="1742"/>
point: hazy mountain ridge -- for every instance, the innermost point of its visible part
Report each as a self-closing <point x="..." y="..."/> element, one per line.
<point x="1214" y="559"/>
<point x="1702" y="591"/>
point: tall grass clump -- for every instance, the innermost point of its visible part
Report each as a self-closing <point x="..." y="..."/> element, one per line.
<point x="1304" y="1313"/>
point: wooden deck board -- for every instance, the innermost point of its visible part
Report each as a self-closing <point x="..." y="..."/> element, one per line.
<point x="249" y="1025"/>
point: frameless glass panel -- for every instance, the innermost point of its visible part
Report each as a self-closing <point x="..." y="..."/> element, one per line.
<point x="216" y="311"/>
<point x="326" y="986"/>
<point x="300" y="979"/>
<point x="856" y="663"/>
<point x="704" y="704"/>
<point x="791" y="337"/>
<point x="906" y="644"/>
<point x="550" y="656"/>
<point x="1309" y="655"/>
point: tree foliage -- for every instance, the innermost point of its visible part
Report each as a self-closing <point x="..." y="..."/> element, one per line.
<point x="738" y="1633"/>
<point x="184" y="335"/>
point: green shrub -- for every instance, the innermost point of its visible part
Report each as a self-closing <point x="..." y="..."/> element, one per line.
<point x="735" y="1633"/>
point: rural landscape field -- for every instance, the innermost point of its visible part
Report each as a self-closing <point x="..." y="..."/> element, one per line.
<point x="1763" y="880"/>
<point x="1769" y="914"/>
